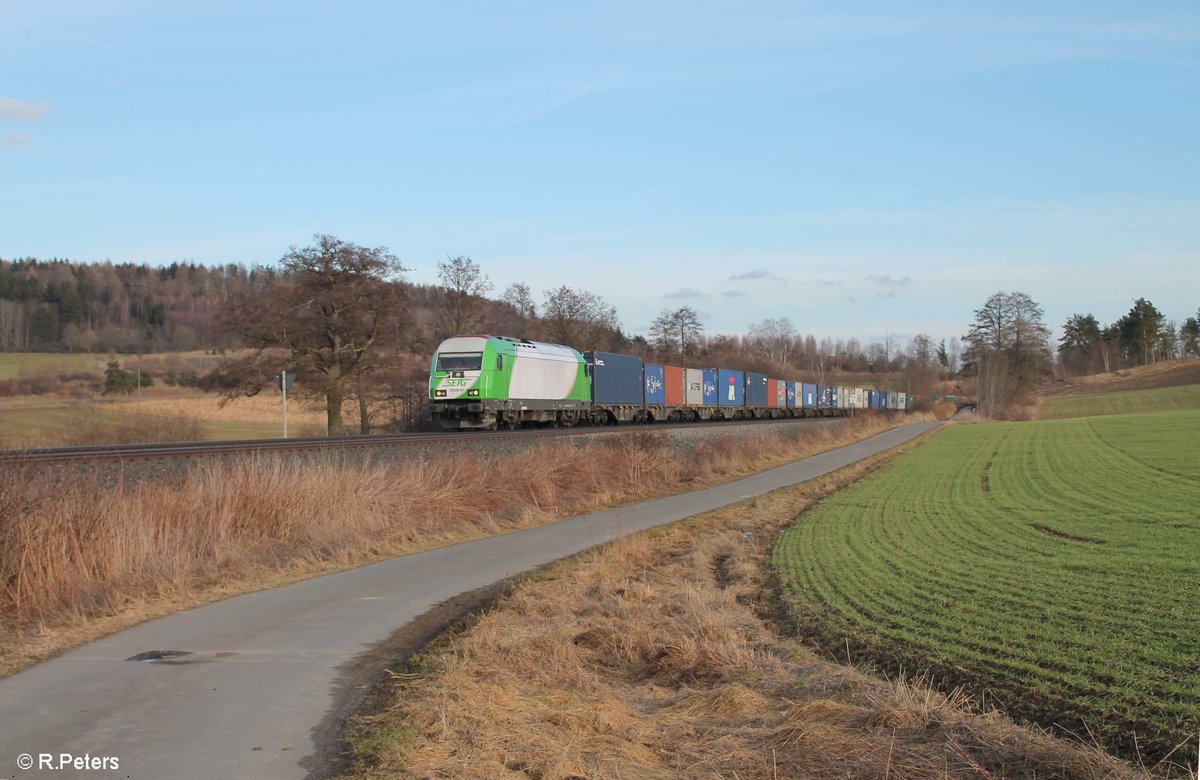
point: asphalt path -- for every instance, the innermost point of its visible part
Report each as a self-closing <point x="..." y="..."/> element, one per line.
<point x="266" y="673"/>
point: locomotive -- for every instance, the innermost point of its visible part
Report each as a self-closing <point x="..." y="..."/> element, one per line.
<point x="481" y="382"/>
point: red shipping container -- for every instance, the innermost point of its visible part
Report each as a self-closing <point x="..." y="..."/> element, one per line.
<point x="673" y="385"/>
<point x="772" y="392"/>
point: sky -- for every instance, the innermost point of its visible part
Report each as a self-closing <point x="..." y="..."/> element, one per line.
<point x="866" y="170"/>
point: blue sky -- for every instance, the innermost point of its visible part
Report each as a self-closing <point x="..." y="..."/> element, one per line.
<point x="862" y="168"/>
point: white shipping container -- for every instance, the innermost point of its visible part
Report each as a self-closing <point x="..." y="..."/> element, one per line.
<point x="694" y="387"/>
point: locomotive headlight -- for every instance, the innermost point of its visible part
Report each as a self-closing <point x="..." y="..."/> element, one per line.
<point x="474" y="393"/>
<point x="440" y="393"/>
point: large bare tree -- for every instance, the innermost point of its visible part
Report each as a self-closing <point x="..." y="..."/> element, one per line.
<point x="579" y="319"/>
<point x="1007" y="349"/>
<point x="774" y="339"/>
<point x="676" y="332"/>
<point x="463" y="286"/>
<point x="324" y="314"/>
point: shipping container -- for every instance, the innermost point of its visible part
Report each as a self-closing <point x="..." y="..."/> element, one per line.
<point x="732" y="390"/>
<point x="773" y="387"/>
<point x="655" y="391"/>
<point x="835" y="394"/>
<point x="824" y="397"/>
<point x="712" y="385"/>
<point x="616" y="379"/>
<point x="673" y="389"/>
<point x="793" y="393"/>
<point x="756" y="389"/>
<point x="781" y="393"/>
<point x="694" y="392"/>
<point x="809" y="396"/>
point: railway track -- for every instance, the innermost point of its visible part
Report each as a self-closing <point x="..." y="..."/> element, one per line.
<point x="167" y="450"/>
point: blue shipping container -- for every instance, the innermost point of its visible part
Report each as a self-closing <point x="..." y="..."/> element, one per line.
<point x="656" y="387"/>
<point x="808" y="396"/>
<point x="834" y="396"/>
<point x="616" y="379"/>
<point x="732" y="390"/>
<point x="756" y="389"/>
<point x="791" y="395"/>
<point x="712" y="379"/>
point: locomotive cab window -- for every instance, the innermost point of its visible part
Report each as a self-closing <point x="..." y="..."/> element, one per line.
<point x="499" y="362"/>
<point x="460" y="361"/>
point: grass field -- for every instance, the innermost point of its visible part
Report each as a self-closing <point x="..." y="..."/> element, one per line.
<point x="46" y="421"/>
<point x="15" y="365"/>
<point x="1049" y="567"/>
<point x="1156" y="400"/>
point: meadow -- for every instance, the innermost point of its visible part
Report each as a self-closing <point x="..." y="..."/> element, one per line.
<point x="1128" y="402"/>
<point x="55" y="399"/>
<point x="1050" y="568"/>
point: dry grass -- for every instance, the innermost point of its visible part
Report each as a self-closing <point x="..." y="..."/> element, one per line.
<point x="650" y="658"/>
<point x="1166" y="373"/>
<point x="80" y="556"/>
<point x="168" y="401"/>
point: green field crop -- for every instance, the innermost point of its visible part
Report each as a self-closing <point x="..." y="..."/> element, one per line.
<point x="1129" y="402"/>
<point x="1049" y="567"/>
<point x="15" y="365"/>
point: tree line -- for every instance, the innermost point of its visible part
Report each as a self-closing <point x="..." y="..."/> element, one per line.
<point x="358" y="332"/>
<point x="344" y="317"/>
<point x="1141" y="336"/>
<point x="62" y="306"/>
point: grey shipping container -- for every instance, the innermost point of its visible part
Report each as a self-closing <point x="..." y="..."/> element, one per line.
<point x="616" y="379"/>
<point x="694" y="387"/>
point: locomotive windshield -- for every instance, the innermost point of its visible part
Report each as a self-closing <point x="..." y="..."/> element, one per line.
<point x="459" y="361"/>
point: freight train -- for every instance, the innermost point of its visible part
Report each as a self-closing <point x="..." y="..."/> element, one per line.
<point x="489" y="382"/>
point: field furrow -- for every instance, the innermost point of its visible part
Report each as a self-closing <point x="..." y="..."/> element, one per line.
<point x="1051" y="565"/>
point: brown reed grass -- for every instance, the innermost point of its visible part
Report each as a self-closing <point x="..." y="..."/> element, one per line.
<point x="651" y="658"/>
<point x="81" y="556"/>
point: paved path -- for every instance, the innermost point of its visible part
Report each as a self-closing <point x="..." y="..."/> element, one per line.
<point x="268" y="669"/>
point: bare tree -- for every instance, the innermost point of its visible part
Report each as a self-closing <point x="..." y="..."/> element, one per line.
<point x="774" y="339"/>
<point x="921" y="370"/>
<point x="578" y="318"/>
<point x="518" y="296"/>
<point x="1007" y="349"/>
<point x="324" y="315"/>
<point x="463" y="284"/>
<point x="676" y="332"/>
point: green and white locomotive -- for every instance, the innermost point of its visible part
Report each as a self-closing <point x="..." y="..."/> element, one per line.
<point x="489" y="382"/>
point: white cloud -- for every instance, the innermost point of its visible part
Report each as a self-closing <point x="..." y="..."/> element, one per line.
<point x="890" y="280"/>
<point x="758" y="274"/>
<point x="20" y="110"/>
<point x="15" y="139"/>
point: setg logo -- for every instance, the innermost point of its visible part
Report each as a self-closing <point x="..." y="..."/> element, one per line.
<point x="451" y="386"/>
